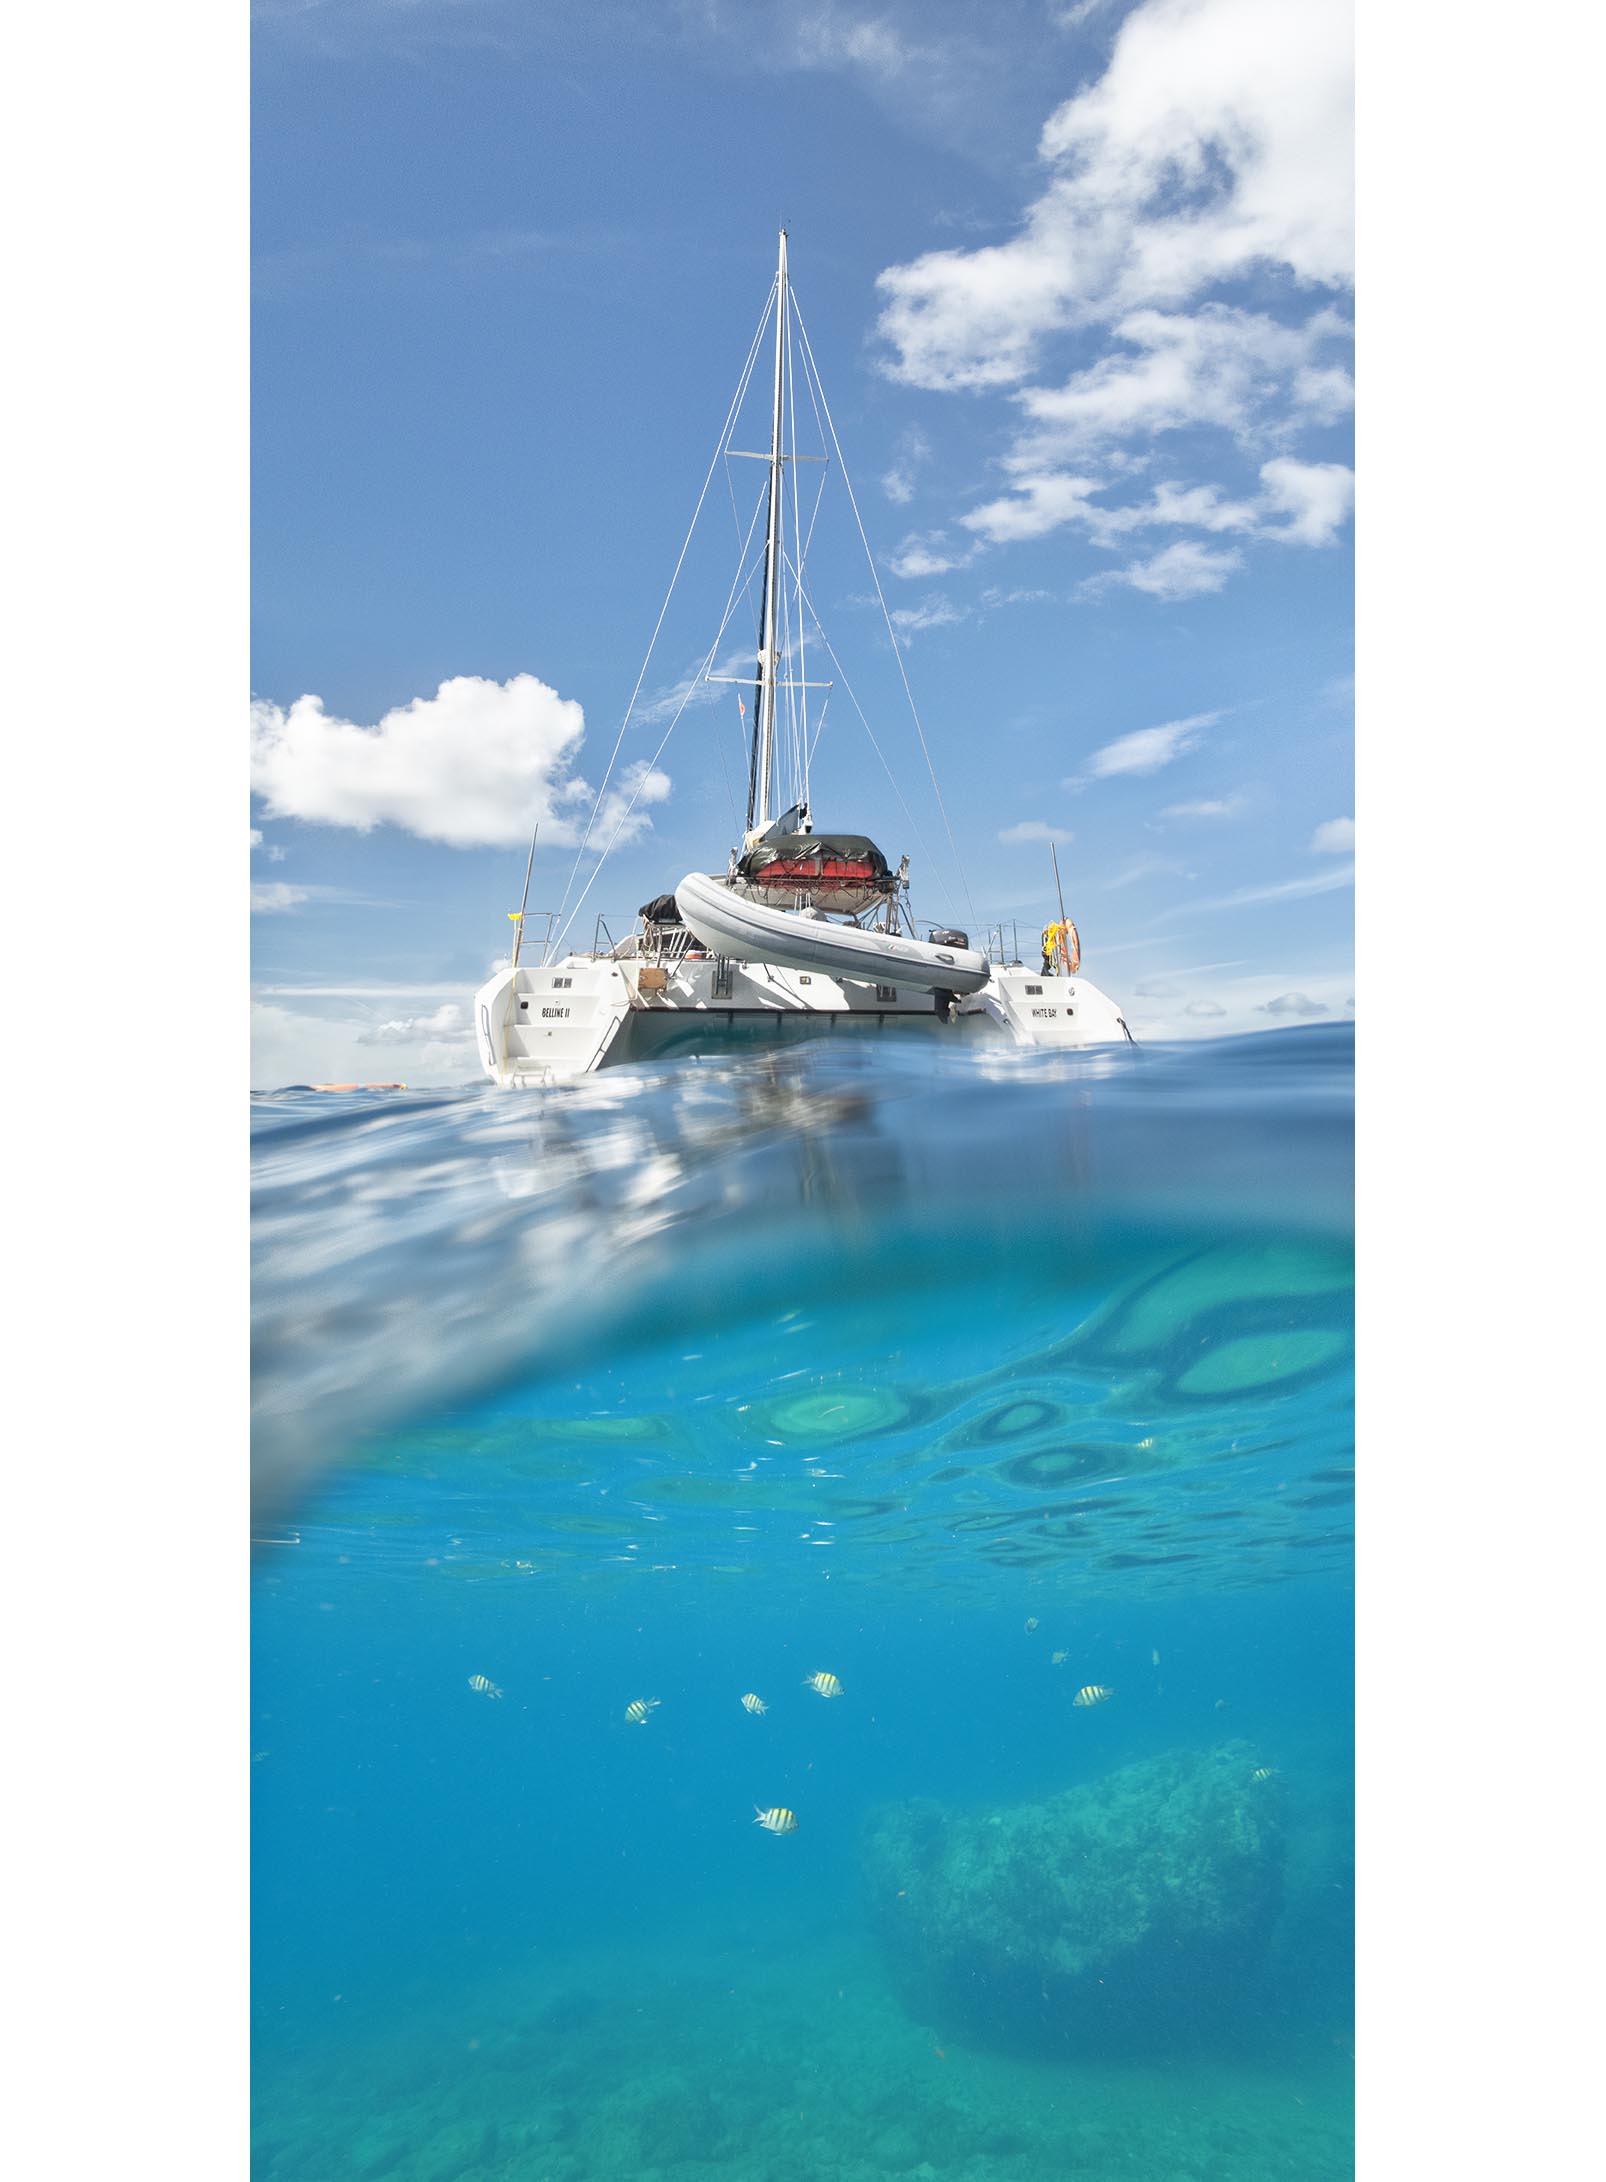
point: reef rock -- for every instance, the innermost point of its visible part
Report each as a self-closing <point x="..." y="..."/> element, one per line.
<point x="1127" y="1911"/>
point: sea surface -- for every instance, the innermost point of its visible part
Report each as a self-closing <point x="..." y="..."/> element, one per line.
<point x="910" y="1368"/>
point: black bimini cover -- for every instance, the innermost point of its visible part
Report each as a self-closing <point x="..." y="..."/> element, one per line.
<point x="660" y="910"/>
<point x="826" y="854"/>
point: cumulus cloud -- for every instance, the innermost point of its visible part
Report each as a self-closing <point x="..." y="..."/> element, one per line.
<point x="1214" y="147"/>
<point x="1204" y="1008"/>
<point x="475" y="765"/>
<point x="1315" y="497"/>
<point x="1217" y="141"/>
<point x="1293" y="1004"/>
<point x="1036" y="829"/>
<point x="1334" y="837"/>
<point x="1237" y="370"/>
<point x="1299" y="502"/>
<point x="1146" y="749"/>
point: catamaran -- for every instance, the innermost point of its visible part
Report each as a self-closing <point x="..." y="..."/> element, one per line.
<point x="804" y="933"/>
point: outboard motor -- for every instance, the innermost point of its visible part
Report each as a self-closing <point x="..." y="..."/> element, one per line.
<point x="950" y="939"/>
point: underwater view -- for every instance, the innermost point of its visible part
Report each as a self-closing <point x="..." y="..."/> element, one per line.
<point x="802" y="1621"/>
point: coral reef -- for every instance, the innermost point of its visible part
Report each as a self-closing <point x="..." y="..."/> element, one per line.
<point x="1128" y="1912"/>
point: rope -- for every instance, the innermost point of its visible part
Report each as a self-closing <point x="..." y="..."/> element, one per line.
<point x="897" y="648"/>
<point x="719" y="449"/>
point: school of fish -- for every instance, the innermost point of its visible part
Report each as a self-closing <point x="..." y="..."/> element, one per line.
<point x="778" y="1819"/>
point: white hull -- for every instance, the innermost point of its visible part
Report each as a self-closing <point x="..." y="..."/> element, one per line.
<point x="546" y="1024"/>
<point x="732" y="925"/>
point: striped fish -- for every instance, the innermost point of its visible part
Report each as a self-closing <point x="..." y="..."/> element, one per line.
<point x="483" y="1686"/>
<point x="1264" y="1772"/>
<point x="1031" y="1623"/>
<point x="780" y="1820"/>
<point x="826" y="1684"/>
<point x="1093" y="1693"/>
<point x="637" y="1710"/>
<point x="750" y="1703"/>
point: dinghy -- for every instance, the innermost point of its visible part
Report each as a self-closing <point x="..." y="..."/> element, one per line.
<point x="807" y="940"/>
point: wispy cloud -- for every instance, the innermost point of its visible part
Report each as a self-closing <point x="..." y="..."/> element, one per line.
<point x="1210" y="807"/>
<point x="1282" y="890"/>
<point x="1146" y="749"/>
<point x="1036" y="829"/>
<point x="1185" y="570"/>
<point x="272" y="897"/>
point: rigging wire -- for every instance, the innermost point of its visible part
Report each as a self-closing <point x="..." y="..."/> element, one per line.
<point x="897" y="649"/>
<point x="737" y="582"/>
<point x="719" y="449"/>
<point x="920" y="842"/>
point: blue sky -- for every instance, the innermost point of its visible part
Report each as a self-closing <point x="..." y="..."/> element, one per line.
<point x="1077" y="280"/>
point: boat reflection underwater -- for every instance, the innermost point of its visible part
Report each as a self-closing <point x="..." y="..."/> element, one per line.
<point x="976" y="1386"/>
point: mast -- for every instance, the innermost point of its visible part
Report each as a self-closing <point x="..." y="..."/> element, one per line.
<point x="761" y="775"/>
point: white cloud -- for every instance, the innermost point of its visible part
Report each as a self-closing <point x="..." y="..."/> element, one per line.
<point x="1211" y="807"/>
<point x="1293" y="1004"/>
<point x="1035" y="829"/>
<point x="1182" y="571"/>
<point x="927" y="556"/>
<point x="1146" y="749"/>
<point x="1036" y="506"/>
<point x="1300" y="502"/>
<point x="256" y="838"/>
<point x="1204" y="1008"/>
<point x="1315" y="497"/>
<point x="1334" y="837"/>
<point x="1214" y="147"/>
<point x="273" y="896"/>
<point x="1217" y="141"/>
<point x="449" y="1022"/>
<point x="476" y="764"/>
<point x="913" y="450"/>
<point x="1237" y="370"/>
<point x="932" y="613"/>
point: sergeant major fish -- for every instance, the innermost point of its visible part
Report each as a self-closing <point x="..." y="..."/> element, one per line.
<point x="780" y="1820"/>
<point x="1093" y="1693"/>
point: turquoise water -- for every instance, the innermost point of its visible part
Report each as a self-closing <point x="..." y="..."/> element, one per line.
<point x="696" y="1381"/>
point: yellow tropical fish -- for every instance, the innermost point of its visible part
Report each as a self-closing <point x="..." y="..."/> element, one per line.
<point x="826" y="1684"/>
<point x="483" y="1686"/>
<point x="750" y="1703"/>
<point x="780" y="1820"/>
<point x="1264" y="1772"/>
<point x="1031" y="1623"/>
<point x="1093" y="1693"/>
<point x="1058" y="1659"/>
<point x="637" y="1710"/>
